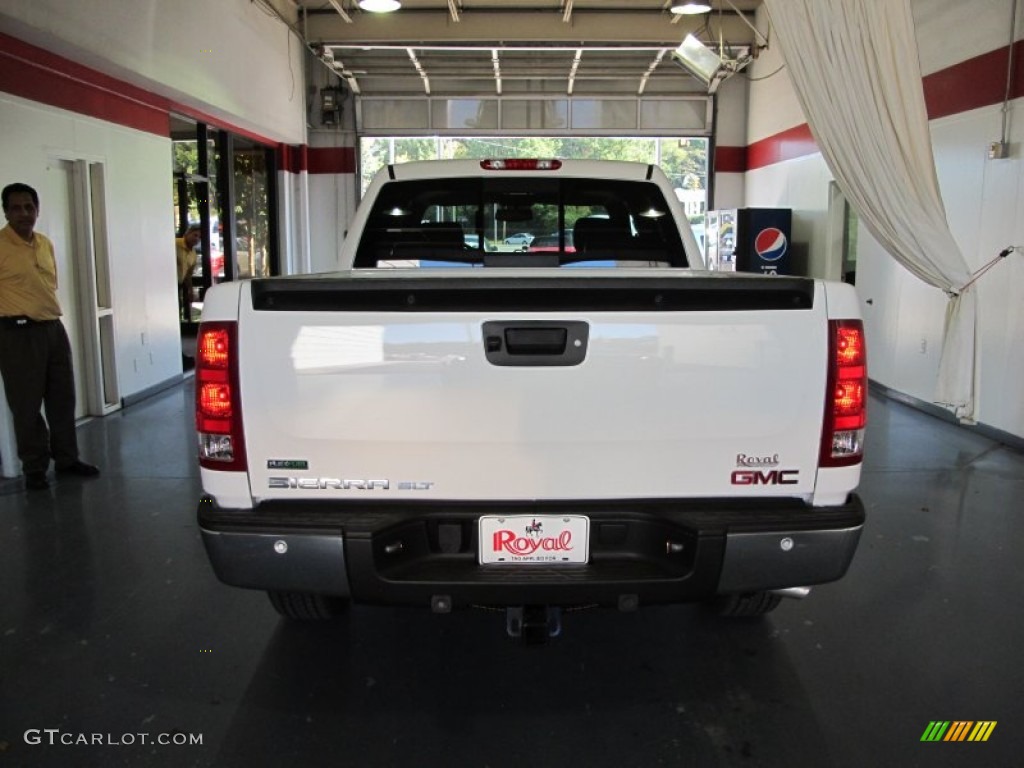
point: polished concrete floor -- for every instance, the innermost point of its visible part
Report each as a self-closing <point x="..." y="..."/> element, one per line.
<point x="114" y="629"/>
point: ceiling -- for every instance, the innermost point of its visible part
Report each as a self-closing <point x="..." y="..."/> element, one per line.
<point x="511" y="47"/>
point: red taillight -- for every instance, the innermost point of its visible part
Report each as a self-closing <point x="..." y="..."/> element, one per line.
<point x="842" y="440"/>
<point x="849" y="345"/>
<point x="521" y="164"/>
<point x="212" y="348"/>
<point x="215" y="401"/>
<point x="849" y="402"/>
<point x="218" y="411"/>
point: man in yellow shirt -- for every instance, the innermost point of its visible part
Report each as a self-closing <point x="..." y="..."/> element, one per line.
<point x="35" y="354"/>
<point x="186" y="255"/>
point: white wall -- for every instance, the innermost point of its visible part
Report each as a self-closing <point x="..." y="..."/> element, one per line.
<point x="772" y="106"/>
<point x="139" y="222"/>
<point x="332" y="202"/>
<point x="983" y="199"/>
<point x="730" y="131"/>
<point x="949" y="31"/>
<point x="229" y="58"/>
<point x="293" y="221"/>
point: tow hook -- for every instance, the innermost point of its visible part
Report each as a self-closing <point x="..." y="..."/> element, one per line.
<point x="533" y="624"/>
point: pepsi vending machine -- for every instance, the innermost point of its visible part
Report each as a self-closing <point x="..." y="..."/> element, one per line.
<point x="749" y="240"/>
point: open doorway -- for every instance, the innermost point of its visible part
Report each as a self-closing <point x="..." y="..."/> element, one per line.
<point x="842" y="223"/>
<point x="195" y="186"/>
<point x="223" y="185"/>
<point x="76" y="205"/>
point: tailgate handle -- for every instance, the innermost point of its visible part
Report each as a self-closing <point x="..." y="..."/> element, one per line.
<point x="535" y="342"/>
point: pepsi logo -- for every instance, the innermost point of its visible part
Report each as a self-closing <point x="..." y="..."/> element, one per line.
<point x="771" y="244"/>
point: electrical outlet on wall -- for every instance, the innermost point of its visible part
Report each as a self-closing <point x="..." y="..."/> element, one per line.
<point x="998" y="150"/>
<point x="924" y="345"/>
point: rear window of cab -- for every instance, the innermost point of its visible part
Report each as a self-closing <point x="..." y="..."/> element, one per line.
<point x="520" y="222"/>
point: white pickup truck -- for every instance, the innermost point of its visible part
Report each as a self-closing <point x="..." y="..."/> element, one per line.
<point x="448" y="421"/>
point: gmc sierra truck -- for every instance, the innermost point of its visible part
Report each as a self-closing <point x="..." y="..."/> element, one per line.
<point x="452" y="421"/>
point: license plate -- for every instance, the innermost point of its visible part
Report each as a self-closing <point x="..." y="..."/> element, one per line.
<point x="534" y="539"/>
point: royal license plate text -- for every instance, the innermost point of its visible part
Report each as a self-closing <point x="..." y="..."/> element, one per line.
<point x="551" y="539"/>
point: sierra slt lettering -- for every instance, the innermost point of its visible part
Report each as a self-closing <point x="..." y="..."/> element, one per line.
<point x="335" y="483"/>
<point x="526" y="545"/>
<point x="771" y="477"/>
<point x="742" y="460"/>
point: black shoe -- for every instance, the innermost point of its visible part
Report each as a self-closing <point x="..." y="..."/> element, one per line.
<point x="36" y="481"/>
<point x="79" y="468"/>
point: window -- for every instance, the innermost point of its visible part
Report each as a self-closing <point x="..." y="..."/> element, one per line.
<point x="520" y="222"/>
<point x="684" y="160"/>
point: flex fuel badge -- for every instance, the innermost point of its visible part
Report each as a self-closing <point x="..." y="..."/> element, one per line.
<point x="287" y="464"/>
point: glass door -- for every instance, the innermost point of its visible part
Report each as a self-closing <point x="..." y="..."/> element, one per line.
<point x="195" y="188"/>
<point x="252" y="211"/>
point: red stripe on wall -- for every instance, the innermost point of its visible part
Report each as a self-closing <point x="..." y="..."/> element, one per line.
<point x="730" y="159"/>
<point x="38" y="75"/>
<point x="299" y="159"/>
<point x="970" y="84"/>
<point x="787" y="145"/>
<point x="977" y="82"/>
<point x="35" y="74"/>
<point x="291" y="158"/>
<point x="325" y="160"/>
<point x="332" y="159"/>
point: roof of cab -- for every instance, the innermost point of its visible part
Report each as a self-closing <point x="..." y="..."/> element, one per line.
<point x="599" y="169"/>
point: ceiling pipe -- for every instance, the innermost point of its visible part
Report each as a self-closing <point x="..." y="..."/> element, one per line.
<point x="1004" y="136"/>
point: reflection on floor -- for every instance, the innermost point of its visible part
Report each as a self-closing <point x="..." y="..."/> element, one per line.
<point x="115" y="637"/>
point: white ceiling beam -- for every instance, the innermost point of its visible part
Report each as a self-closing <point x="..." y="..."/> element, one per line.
<point x="572" y="72"/>
<point x="496" y="62"/>
<point x="344" y="73"/>
<point x="336" y="4"/>
<point x="419" y="69"/>
<point x="650" y="71"/>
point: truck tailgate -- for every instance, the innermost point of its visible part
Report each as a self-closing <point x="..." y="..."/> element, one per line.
<point x="466" y="388"/>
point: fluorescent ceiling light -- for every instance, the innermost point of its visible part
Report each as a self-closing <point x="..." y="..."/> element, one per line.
<point x="691" y="8"/>
<point x="706" y="65"/>
<point x="698" y="59"/>
<point x="380" y="6"/>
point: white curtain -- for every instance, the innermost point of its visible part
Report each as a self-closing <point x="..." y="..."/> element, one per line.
<point x="854" y="65"/>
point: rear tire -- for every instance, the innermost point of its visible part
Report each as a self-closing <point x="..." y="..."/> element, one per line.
<point x="744" y="604"/>
<point x="306" y="606"/>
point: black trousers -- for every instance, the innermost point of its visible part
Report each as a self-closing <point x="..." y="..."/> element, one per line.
<point x="35" y="361"/>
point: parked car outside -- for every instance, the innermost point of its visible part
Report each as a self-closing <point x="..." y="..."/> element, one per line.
<point x="549" y="243"/>
<point x="520" y="238"/>
<point x="473" y="241"/>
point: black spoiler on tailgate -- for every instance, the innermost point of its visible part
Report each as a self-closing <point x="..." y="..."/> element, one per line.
<point x="532" y="294"/>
